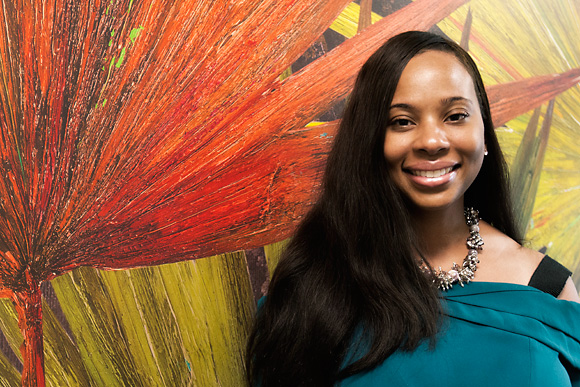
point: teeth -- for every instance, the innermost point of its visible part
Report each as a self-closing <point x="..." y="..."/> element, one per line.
<point x="436" y="173"/>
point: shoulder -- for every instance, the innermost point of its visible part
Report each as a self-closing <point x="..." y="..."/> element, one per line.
<point x="505" y="260"/>
<point x="569" y="292"/>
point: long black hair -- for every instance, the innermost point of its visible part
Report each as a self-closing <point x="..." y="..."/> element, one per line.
<point x="348" y="292"/>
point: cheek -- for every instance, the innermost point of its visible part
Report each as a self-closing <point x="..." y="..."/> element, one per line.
<point x="479" y="148"/>
<point x="472" y="142"/>
<point x="393" y="150"/>
<point x="474" y="149"/>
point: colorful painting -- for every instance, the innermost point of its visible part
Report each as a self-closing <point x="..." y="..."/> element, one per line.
<point x="156" y="155"/>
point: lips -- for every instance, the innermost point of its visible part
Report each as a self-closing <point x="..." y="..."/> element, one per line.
<point x="432" y="175"/>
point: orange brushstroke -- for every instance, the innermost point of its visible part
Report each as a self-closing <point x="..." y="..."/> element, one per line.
<point x="516" y="98"/>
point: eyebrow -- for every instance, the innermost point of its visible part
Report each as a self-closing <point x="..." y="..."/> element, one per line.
<point x="444" y="102"/>
<point x="401" y="106"/>
<point x="450" y="100"/>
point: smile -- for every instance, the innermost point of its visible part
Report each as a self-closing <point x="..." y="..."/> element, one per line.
<point x="435" y="173"/>
<point x="433" y="178"/>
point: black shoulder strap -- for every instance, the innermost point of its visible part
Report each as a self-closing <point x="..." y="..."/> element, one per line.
<point x="550" y="277"/>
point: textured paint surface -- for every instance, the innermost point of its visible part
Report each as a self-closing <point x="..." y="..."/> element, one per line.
<point x="167" y="325"/>
<point x="135" y="134"/>
<point x="135" y="142"/>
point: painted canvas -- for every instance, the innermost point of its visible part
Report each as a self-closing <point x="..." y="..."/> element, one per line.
<point x="156" y="155"/>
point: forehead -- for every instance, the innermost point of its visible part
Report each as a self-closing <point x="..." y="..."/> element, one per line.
<point x="434" y="75"/>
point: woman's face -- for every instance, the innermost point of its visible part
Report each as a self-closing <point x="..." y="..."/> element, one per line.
<point x="434" y="142"/>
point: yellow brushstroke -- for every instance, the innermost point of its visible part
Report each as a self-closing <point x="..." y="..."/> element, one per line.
<point x="273" y="253"/>
<point x="347" y="23"/>
<point x="180" y="324"/>
<point x="9" y="326"/>
<point x="62" y="361"/>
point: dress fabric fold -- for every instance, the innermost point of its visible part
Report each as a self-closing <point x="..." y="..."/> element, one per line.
<point x="495" y="334"/>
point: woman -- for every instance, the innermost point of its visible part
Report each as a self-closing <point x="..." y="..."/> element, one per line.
<point x="359" y="297"/>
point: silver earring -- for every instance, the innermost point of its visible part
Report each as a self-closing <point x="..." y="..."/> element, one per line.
<point x="485" y="153"/>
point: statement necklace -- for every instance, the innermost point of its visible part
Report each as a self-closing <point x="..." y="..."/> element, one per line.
<point x="444" y="280"/>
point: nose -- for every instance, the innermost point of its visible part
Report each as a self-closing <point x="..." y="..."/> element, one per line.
<point x="431" y="139"/>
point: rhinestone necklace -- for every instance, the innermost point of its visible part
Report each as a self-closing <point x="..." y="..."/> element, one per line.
<point x="444" y="280"/>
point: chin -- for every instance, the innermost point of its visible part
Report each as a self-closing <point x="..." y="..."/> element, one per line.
<point x="433" y="205"/>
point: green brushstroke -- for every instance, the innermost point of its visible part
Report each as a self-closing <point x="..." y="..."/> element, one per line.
<point x="111" y="41"/>
<point x="106" y="81"/>
<point x="20" y="159"/>
<point x="121" y="57"/>
<point x="572" y="224"/>
<point x="110" y="67"/>
<point x="135" y="32"/>
<point x="130" y="4"/>
<point x="286" y="73"/>
<point x="62" y="359"/>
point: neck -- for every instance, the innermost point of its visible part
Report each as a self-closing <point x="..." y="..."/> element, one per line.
<point x="442" y="233"/>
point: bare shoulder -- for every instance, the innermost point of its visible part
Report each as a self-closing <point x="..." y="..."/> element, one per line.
<point x="569" y="292"/>
<point x="505" y="260"/>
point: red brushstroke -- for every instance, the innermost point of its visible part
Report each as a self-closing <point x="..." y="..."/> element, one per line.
<point x="29" y="308"/>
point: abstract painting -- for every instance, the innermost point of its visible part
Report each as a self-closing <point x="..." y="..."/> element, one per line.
<point x="156" y="155"/>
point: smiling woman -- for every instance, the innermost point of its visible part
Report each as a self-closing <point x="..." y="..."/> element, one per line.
<point x="356" y="299"/>
<point x="434" y="142"/>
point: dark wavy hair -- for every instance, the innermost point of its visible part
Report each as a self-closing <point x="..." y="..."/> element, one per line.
<point x="347" y="292"/>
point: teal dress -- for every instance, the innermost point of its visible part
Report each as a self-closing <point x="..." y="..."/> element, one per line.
<point x="496" y="334"/>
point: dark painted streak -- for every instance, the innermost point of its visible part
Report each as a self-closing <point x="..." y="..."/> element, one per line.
<point x="521" y="169"/>
<point x="365" y="14"/>
<point x="7" y="351"/>
<point x="52" y="301"/>
<point x="466" y="31"/>
<point x="258" y="270"/>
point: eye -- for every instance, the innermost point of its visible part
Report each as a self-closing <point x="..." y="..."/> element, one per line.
<point x="401" y="122"/>
<point x="455" y="117"/>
